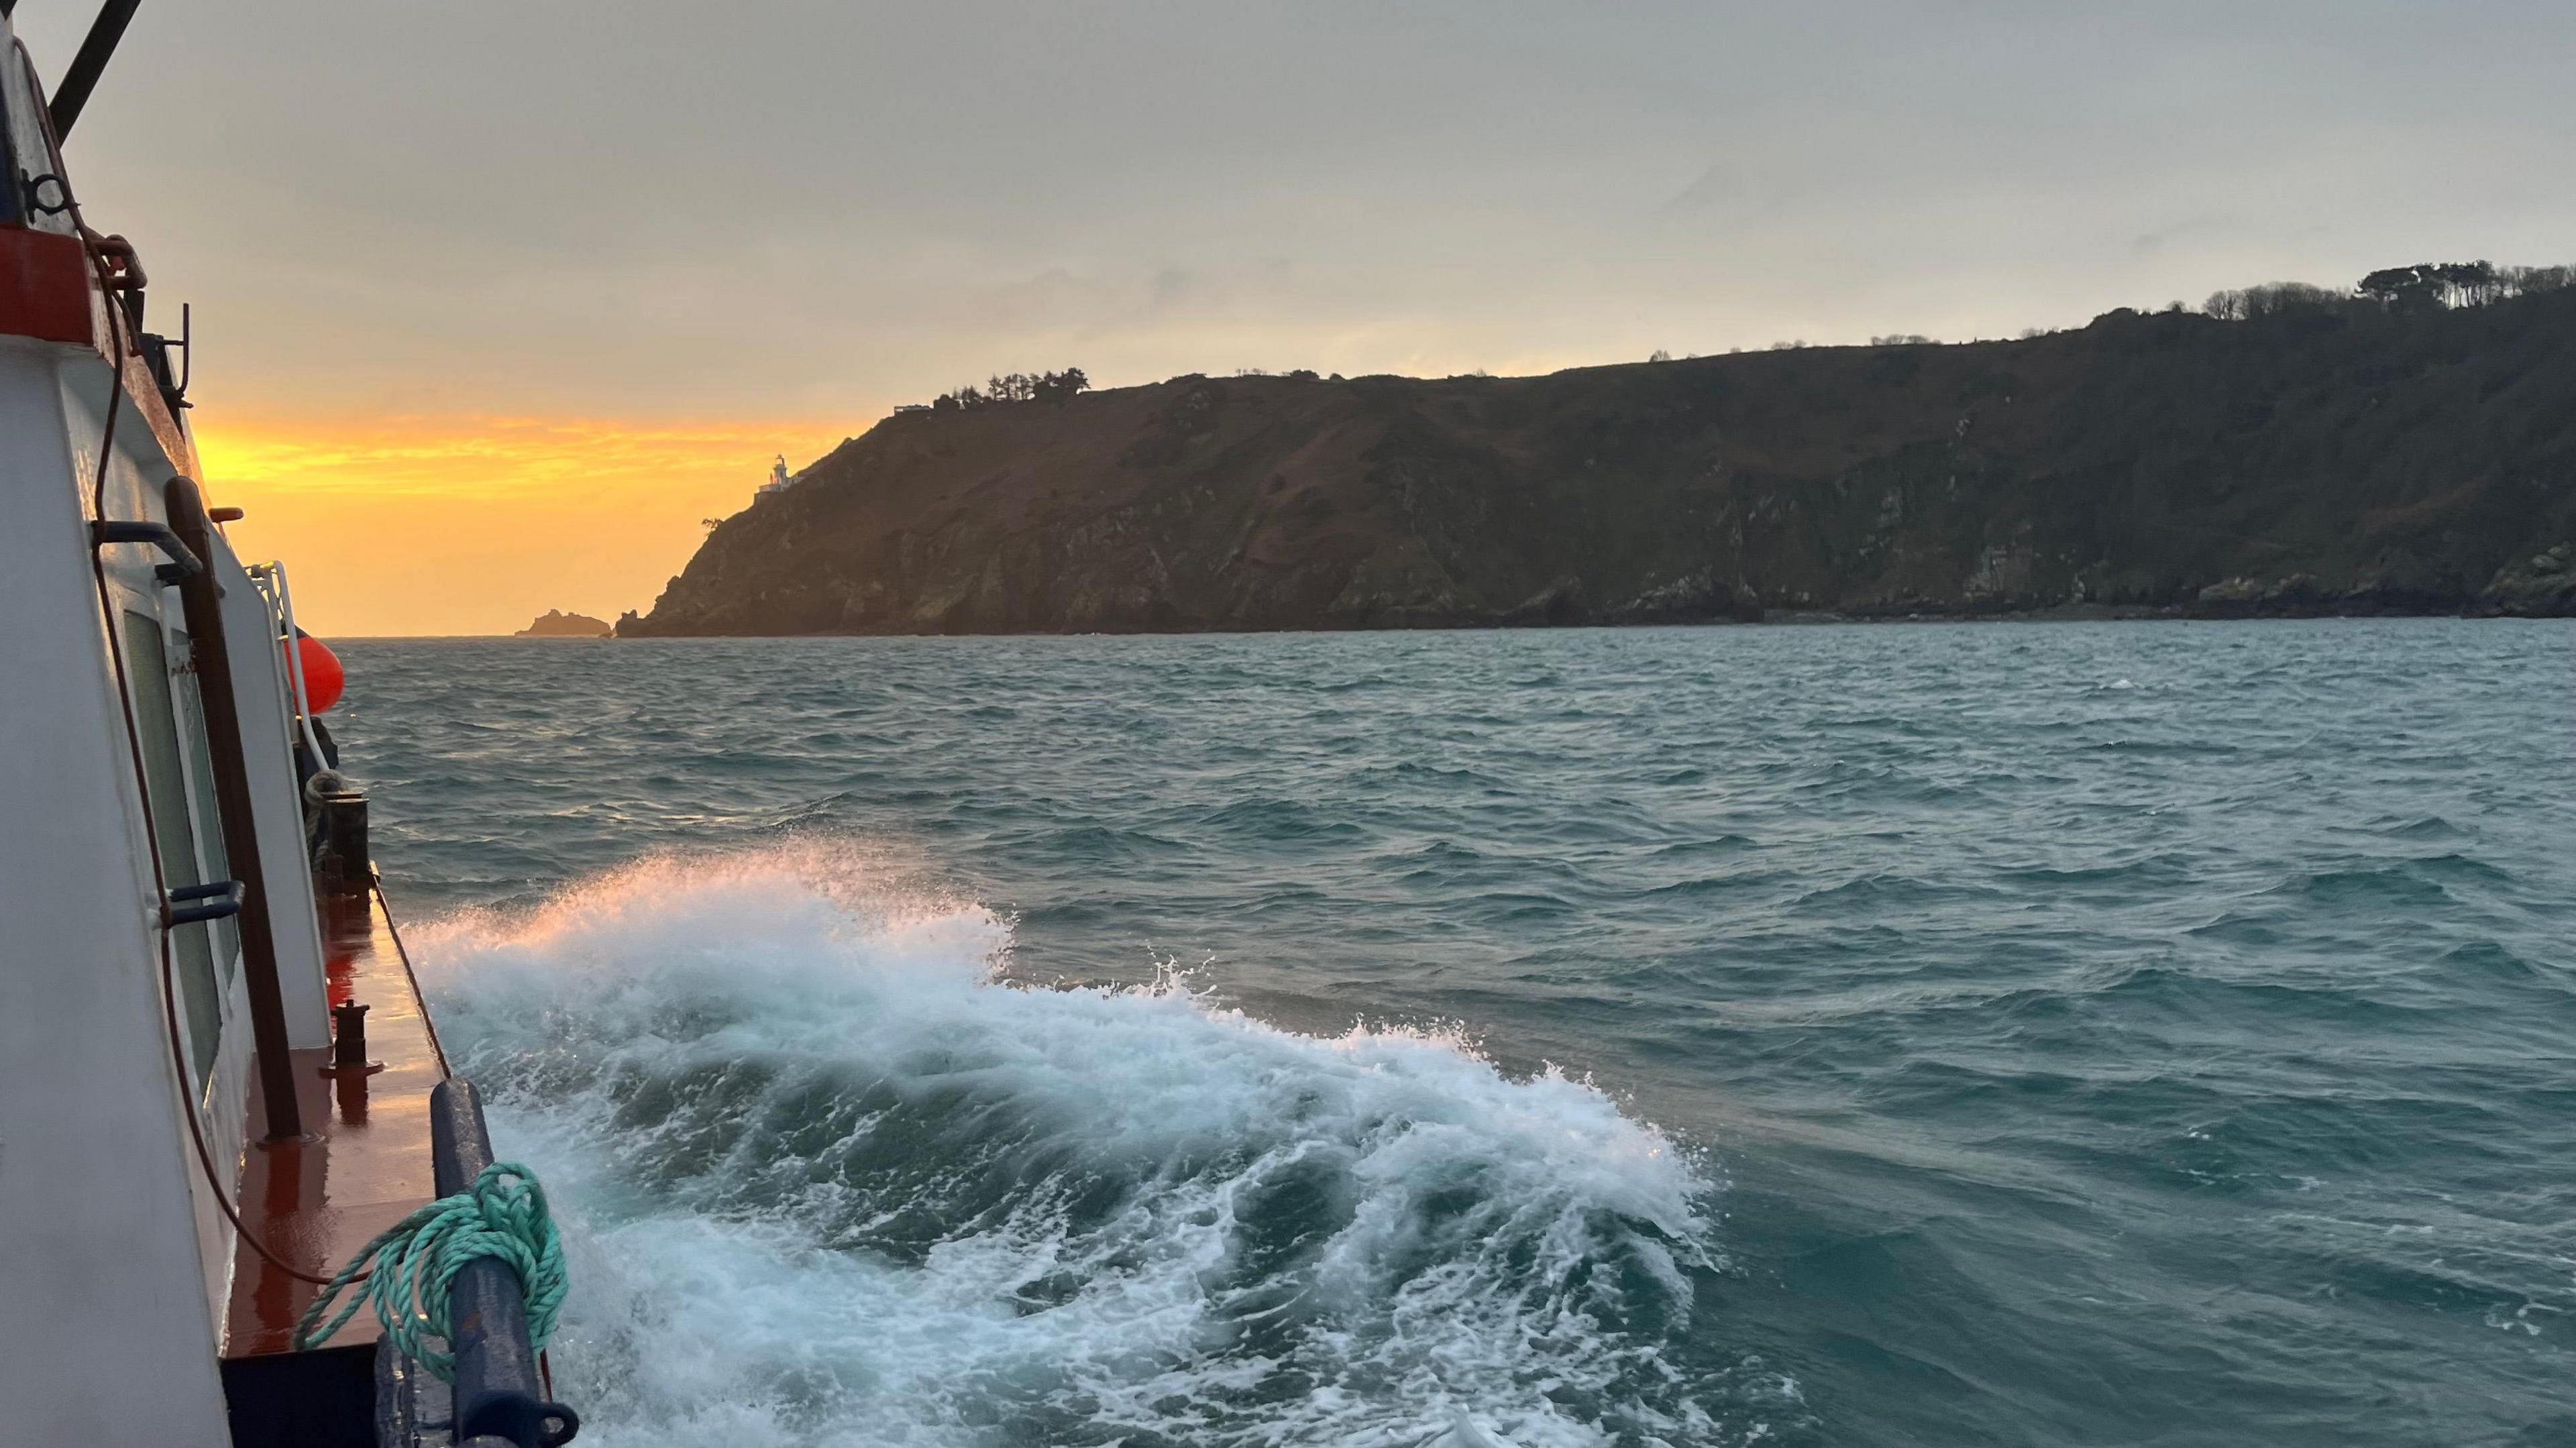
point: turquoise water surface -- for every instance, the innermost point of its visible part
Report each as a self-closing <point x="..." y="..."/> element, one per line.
<point x="1993" y="1034"/>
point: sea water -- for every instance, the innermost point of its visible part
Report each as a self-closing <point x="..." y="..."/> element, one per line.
<point x="2150" y="1033"/>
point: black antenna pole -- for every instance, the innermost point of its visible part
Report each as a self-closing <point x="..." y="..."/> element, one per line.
<point x="90" y="64"/>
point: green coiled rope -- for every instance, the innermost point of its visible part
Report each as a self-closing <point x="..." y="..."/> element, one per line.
<point x="410" y="1266"/>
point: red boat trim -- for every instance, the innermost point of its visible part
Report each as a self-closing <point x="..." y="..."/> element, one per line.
<point x="44" y="286"/>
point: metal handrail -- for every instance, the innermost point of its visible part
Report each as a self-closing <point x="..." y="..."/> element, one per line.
<point x="105" y="531"/>
<point x="236" y="810"/>
<point x="500" y="1397"/>
<point x="270" y="578"/>
<point x="194" y="904"/>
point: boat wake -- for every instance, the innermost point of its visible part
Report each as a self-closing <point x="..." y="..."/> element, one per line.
<point x="828" y="1179"/>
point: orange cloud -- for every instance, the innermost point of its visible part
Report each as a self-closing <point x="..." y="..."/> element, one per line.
<point x="466" y="525"/>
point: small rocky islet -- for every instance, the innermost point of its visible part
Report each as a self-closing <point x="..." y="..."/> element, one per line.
<point x="554" y="623"/>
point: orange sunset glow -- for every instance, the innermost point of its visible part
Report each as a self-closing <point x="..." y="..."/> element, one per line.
<point x="475" y="525"/>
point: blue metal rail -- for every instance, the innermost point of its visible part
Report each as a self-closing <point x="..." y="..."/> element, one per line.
<point x="500" y="1400"/>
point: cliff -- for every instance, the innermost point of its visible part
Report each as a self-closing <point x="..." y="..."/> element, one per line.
<point x="556" y="624"/>
<point x="2344" y="459"/>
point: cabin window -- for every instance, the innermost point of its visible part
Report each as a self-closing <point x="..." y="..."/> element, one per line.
<point x="156" y="723"/>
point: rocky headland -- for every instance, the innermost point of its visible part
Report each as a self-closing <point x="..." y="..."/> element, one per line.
<point x="2342" y="457"/>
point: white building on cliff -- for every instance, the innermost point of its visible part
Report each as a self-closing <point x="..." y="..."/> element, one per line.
<point x="779" y="479"/>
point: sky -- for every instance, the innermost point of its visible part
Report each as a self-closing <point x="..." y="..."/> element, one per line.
<point x="496" y="302"/>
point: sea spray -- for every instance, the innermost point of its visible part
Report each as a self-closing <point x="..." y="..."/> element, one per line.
<point x="833" y="1180"/>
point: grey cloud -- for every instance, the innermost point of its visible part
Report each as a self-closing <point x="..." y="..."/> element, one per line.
<point x="581" y="203"/>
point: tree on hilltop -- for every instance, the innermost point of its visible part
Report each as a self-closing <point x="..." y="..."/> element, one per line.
<point x="1015" y="387"/>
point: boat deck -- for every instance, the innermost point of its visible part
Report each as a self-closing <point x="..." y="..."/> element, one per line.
<point x="365" y="1162"/>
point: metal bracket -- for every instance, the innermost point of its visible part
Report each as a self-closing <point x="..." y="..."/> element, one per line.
<point x="34" y="187"/>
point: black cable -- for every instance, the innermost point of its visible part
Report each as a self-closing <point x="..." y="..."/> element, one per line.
<point x="435" y="1049"/>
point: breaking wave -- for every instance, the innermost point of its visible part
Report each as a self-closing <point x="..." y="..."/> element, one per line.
<point x="828" y="1177"/>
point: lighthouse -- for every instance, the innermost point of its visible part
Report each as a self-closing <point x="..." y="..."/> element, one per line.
<point x="779" y="481"/>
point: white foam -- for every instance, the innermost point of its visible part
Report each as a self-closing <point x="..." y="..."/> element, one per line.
<point x="828" y="1181"/>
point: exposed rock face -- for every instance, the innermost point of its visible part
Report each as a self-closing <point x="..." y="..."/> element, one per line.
<point x="2370" y="463"/>
<point x="556" y="624"/>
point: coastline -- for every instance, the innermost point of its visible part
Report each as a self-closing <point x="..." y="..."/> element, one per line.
<point x="1777" y="618"/>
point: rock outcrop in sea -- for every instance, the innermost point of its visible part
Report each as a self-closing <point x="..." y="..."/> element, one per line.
<point x="2344" y="460"/>
<point x="556" y="624"/>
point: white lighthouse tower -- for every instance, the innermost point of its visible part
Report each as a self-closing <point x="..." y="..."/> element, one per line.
<point x="779" y="481"/>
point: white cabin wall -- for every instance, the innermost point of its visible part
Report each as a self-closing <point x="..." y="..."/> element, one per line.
<point x="111" y="1336"/>
<point x="259" y="693"/>
<point x="137" y="473"/>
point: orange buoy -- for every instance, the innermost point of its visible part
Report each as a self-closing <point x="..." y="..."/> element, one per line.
<point x="323" y="679"/>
